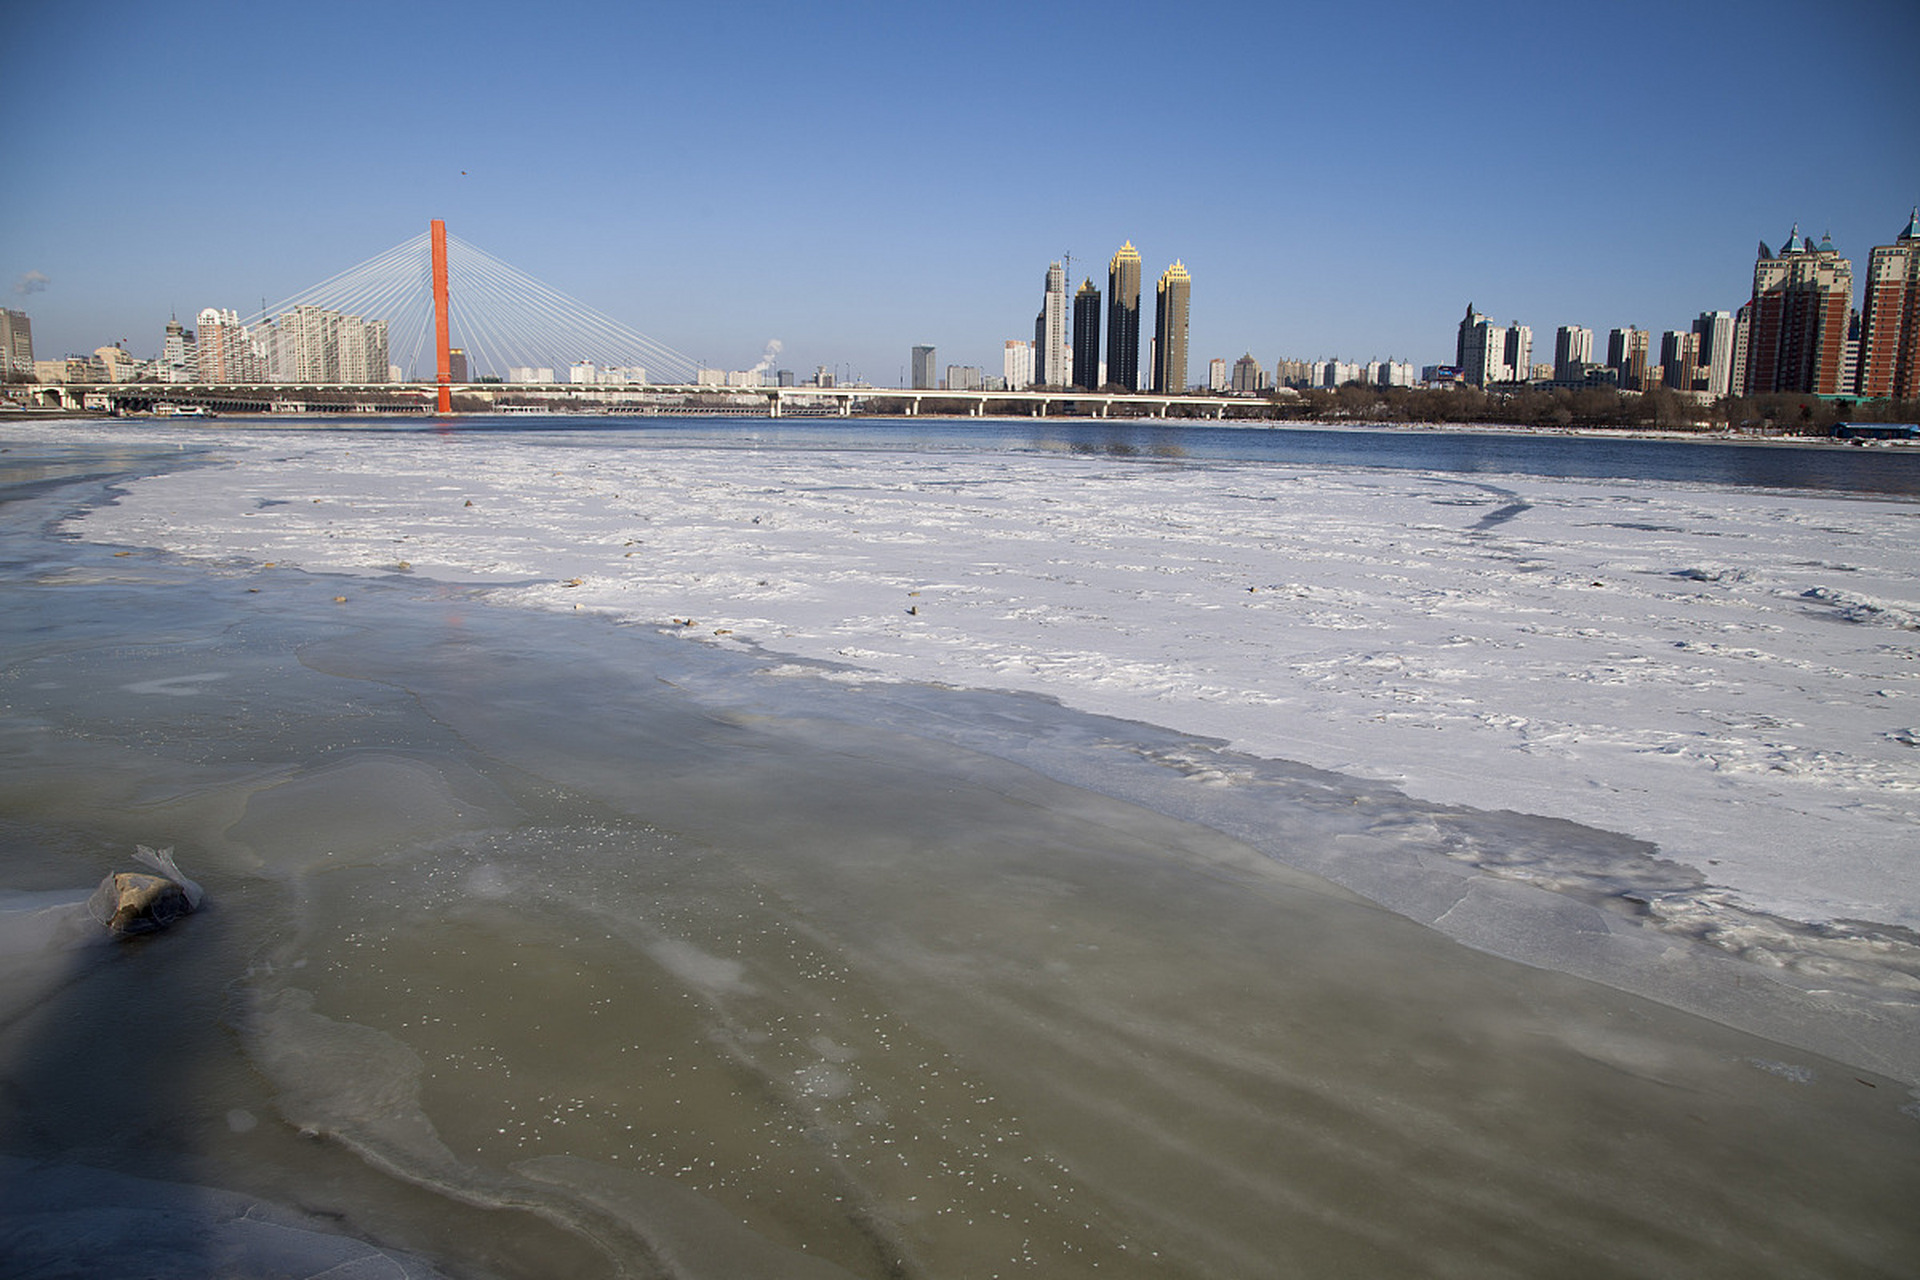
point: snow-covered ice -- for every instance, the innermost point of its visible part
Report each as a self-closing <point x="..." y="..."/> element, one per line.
<point x="1730" y="675"/>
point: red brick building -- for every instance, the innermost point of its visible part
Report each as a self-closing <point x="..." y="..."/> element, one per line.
<point x="1890" y="319"/>
<point x="1797" y="337"/>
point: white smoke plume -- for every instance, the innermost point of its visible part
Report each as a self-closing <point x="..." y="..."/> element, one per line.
<point x="767" y="357"/>
<point x="32" y="282"/>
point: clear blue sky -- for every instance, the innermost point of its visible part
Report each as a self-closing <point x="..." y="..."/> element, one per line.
<point x="853" y="179"/>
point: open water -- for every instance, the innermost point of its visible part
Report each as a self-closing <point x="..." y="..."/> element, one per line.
<point x="1864" y="469"/>
<point x="537" y="946"/>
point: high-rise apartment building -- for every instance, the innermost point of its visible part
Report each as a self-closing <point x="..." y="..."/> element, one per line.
<point x="1850" y="357"/>
<point x="1248" y="376"/>
<point x="1628" y="351"/>
<point x="1713" y="347"/>
<point x="922" y="378"/>
<point x="304" y="345"/>
<point x="1519" y="353"/>
<point x="1086" y="337"/>
<point x="364" y="354"/>
<point x="1486" y="351"/>
<point x="1017" y="364"/>
<point x="224" y="350"/>
<point x="311" y="344"/>
<point x="1742" y="334"/>
<point x="1123" y="317"/>
<point x="178" y="360"/>
<point x="1293" y="373"/>
<point x="1051" y="354"/>
<point x="1798" y="326"/>
<point x="1172" y="298"/>
<point x="1890" y="318"/>
<point x="1464" y="336"/>
<point x="1680" y="359"/>
<point x="16" y="345"/>
<point x="1572" y="352"/>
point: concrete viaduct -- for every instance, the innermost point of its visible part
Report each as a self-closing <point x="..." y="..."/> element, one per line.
<point x="638" y="398"/>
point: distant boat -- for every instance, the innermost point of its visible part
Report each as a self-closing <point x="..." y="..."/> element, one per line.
<point x="182" y="411"/>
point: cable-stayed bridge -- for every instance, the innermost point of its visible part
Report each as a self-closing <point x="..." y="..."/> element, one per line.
<point x="437" y="290"/>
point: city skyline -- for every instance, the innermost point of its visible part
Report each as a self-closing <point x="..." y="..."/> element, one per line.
<point x="793" y="209"/>
<point x="1799" y="333"/>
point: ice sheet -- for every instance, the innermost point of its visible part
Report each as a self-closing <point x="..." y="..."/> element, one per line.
<point x="1728" y="675"/>
<point x="539" y="945"/>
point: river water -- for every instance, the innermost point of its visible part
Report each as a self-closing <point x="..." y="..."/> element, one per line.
<point x="540" y="946"/>
<point x="1816" y="465"/>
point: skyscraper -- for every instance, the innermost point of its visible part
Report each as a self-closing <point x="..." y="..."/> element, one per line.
<point x="16" y="344"/>
<point x="1086" y="337"/>
<point x="1679" y="358"/>
<point x="1572" y="351"/>
<point x="1798" y="334"/>
<point x="1713" y="340"/>
<point x="1487" y="351"/>
<point x="1627" y="353"/>
<point x="1464" y="337"/>
<point x="1123" y="317"/>
<point x="922" y="369"/>
<point x="1890" y="318"/>
<point x="1742" y="337"/>
<point x="1171" y="298"/>
<point x="1519" y="353"/>
<point x="1051" y="355"/>
<point x="1248" y="376"/>
<point x="178" y="361"/>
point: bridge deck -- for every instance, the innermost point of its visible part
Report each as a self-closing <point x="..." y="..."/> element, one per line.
<point x="409" y="396"/>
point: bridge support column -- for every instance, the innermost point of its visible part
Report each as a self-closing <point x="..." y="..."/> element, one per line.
<point x="773" y="406"/>
<point x="441" y="329"/>
<point x="913" y="410"/>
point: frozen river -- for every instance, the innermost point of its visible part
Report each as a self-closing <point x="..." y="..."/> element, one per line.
<point x="1032" y="869"/>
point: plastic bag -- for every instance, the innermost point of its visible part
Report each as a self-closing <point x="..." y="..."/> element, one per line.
<point x="133" y="902"/>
